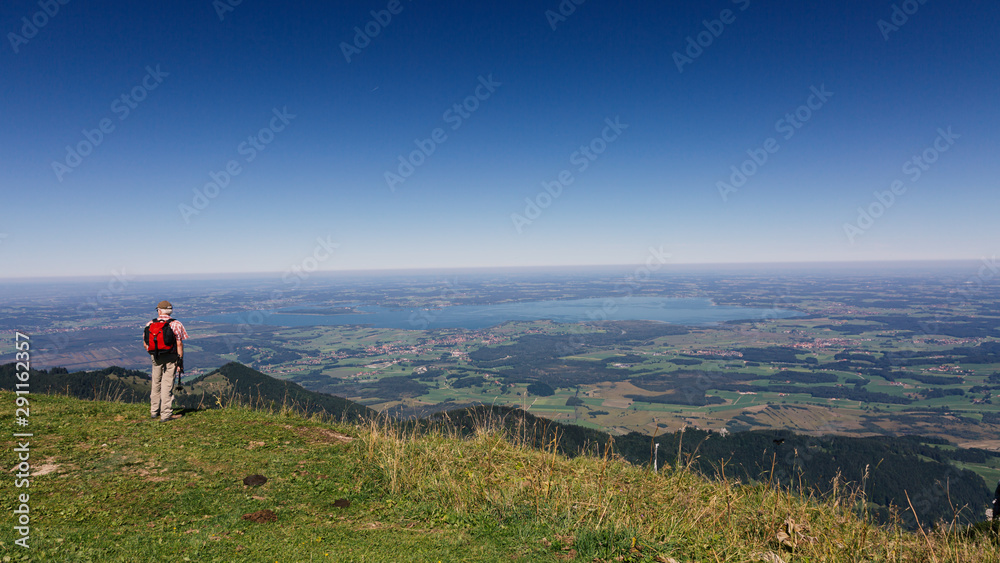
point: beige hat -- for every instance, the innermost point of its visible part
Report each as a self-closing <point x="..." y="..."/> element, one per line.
<point x="164" y="305"/>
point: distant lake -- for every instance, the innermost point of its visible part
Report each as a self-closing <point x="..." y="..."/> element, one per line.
<point x="474" y="317"/>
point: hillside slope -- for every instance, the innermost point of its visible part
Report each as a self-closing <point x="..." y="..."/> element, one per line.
<point x="107" y="484"/>
<point x="895" y="471"/>
<point x="235" y="379"/>
<point x="889" y="467"/>
<point x="230" y="383"/>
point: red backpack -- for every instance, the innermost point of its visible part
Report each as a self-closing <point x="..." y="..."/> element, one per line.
<point x="159" y="337"/>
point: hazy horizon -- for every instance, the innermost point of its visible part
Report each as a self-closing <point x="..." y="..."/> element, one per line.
<point x="871" y="266"/>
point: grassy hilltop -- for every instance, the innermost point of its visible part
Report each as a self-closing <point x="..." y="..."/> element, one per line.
<point x="108" y="484"/>
<point x="944" y="484"/>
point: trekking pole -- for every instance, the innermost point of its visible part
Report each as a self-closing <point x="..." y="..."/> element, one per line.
<point x="180" y="372"/>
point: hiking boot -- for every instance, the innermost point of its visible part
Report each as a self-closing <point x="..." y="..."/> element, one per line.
<point x="171" y="417"/>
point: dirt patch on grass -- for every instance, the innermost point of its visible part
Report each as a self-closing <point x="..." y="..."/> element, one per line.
<point x="254" y="480"/>
<point x="261" y="516"/>
<point x="45" y="469"/>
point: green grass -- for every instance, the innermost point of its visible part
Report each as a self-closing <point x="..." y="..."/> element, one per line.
<point x="124" y="488"/>
<point x="990" y="472"/>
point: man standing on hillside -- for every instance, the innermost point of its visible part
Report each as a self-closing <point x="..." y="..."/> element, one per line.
<point x="164" y="340"/>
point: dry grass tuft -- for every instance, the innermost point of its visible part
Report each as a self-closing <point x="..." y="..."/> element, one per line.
<point x="494" y="473"/>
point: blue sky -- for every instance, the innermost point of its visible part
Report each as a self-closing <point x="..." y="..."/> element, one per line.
<point x="201" y="90"/>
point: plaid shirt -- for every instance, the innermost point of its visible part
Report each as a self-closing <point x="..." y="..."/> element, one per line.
<point x="175" y="326"/>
